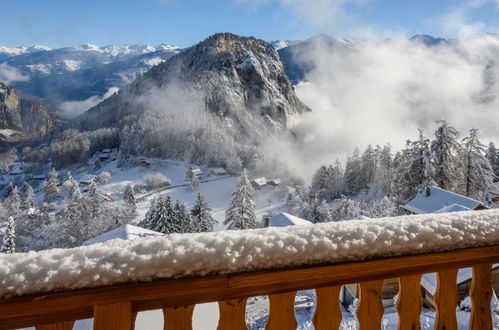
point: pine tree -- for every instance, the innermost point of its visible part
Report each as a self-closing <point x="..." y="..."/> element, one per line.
<point x="8" y="189"/>
<point x="182" y="218"/>
<point x="478" y="176"/>
<point x="193" y="178"/>
<point x="353" y="174"/>
<point x="416" y="170"/>
<point x="130" y="196"/>
<point x="9" y="246"/>
<point x="50" y="189"/>
<point x="28" y="196"/>
<point x="163" y="217"/>
<point x="241" y="211"/>
<point x="75" y="193"/>
<point x="492" y="155"/>
<point x="201" y="215"/>
<point x="92" y="189"/>
<point x="320" y="179"/>
<point x="446" y="149"/>
<point x="368" y="167"/>
<point x="13" y="202"/>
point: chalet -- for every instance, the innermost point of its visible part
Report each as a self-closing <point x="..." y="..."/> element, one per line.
<point x="196" y="171"/>
<point x="259" y="183"/>
<point x="106" y="151"/>
<point x="274" y="182"/>
<point x="437" y="200"/>
<point x="16" y="168"/>
<point x="283" y="220"/>
<point x="38" y="177"/>
<point x="104" y="198"/>
<point x="87" y="180"/>
<point x="217" y="172"/>
<point x="104" y="157"/>
<point x="464" y="275"/>
<point x="145" y="163"/>
<point x="125" y="232"/>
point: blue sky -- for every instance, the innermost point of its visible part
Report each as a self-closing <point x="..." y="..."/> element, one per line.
<point x="58" y="23"/>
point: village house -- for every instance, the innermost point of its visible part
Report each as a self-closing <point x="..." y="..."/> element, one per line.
<point x="125" y="232"/>
<point x="438" y="200"/>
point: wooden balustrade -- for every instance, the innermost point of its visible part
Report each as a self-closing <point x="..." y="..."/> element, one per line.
<point x="115" y="307"/>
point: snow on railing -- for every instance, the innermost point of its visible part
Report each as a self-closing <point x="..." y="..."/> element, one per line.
<point x="186" y="255"/>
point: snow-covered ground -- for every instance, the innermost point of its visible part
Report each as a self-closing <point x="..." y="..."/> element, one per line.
<point x="217" y="189"/>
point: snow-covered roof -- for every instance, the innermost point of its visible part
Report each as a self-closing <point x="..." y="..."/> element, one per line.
<point x="87" y="178"/>
<point x="39" y="176"/>
<point x="361" y="217"/>
<point x="437" y="200"/>
<point x="262" y="181"/>
<point x="197" y="171"/>
<point x="28" y="212"/>
<point x="123" y="232"/>
<point x="453" y="208"/>
<point x="106" y="151"/>
<point x="429" y="281"/>
<point x="218" y="170"/>
<point x="283" y="220"/>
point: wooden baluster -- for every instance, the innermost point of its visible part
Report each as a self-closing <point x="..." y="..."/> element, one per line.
<point x="327" y="308"/>
<point x="409" y="302"/>
<point x="66" y="325"/>
<point x="282" y="312"/>
<point x="113" y="316"/>
<point x="370" y="310"/>
<point x="232" y="314"/>
<point x="178" y="318"/>
<point x="481" y="294"/>
<point x="446" y="300"/>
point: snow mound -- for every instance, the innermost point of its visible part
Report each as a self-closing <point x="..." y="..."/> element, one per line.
<point x="181" y="255"/>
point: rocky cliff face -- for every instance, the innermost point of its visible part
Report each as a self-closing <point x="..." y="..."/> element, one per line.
<point x="19" y="118"/>
<point x="237" y="77"/>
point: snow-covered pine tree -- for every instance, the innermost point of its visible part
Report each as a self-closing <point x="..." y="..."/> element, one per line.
<point x="28" y="196"/>
<point x="50" y="189"/>
<point x="368" y="167"/>
<point x="8" y="189"/>
<point x="92" y="189"/>
<point x="164" y="219"/>
<point x="492" y="155"/>
<point x="75" y="193"/>
<point x="353" y="174"/>
<point x="335" y="182"/>
<point x="416" y="170"/>
<point x="13" y="202"/>
<point x="446" y="150"/>
<point x="478" y="176"/>
<point x="201" y="215"/>
<point x="130" y="196"/>
<point x="182" y="218"/>
<point x="150" y="216"/>
<point x="193" y="178"/>
<point x="8" y="245"/>
<point x="241" y="211"/>
<point x="320" y="179"/>
<point x="345" y="209"/>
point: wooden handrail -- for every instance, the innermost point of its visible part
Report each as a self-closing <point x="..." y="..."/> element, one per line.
<point x="232" y="289"/>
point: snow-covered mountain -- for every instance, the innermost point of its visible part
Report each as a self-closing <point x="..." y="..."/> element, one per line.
<point x="80" y="72"/>
<point x="21" y="118"/>
<point x="239" y="78"/>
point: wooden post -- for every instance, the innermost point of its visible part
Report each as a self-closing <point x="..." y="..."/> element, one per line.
<point x="409" y="302"/>
<point x="327" y="308"/>
<point x="481" y="294"/>
<point x="66" y="325"/>
<point x="446" y="300"/>
<point x="113" y="316"/>
<point x="232" y="314"/>
<point x="370" y="310"/>
<point x="282" y="312"/>
<point x="178" y="318"/>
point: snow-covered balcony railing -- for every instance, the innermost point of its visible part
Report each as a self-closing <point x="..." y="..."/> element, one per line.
<point x="111" y="282"/>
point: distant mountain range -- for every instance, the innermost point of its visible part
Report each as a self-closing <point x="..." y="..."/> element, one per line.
<point x="77" y="73"/>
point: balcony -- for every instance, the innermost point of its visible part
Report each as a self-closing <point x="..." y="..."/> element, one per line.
<point x="113" y="282"/>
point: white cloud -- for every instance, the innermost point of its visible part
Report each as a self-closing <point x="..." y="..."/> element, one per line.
<point x="382" y="91"/>
<point x="71" y="109"/>
<point x="11" y="74"/>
